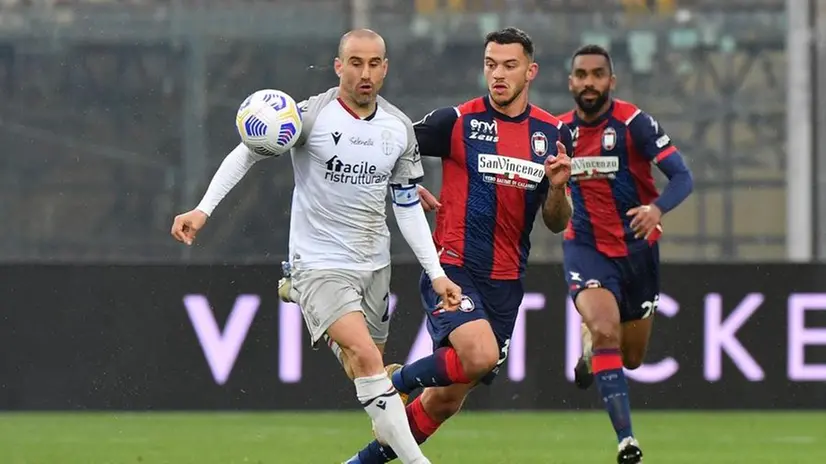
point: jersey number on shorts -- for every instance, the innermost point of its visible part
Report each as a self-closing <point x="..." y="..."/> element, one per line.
<point x="503" y="353"/>
<point x="386" y="316"/>
<point x="650" y="307"/>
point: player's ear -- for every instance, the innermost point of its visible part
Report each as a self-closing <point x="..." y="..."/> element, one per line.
<point x="337" y="65"/>
<point x="613" y="83"/>
<point x="385" y="64"/>
<point x="533" y="71"/>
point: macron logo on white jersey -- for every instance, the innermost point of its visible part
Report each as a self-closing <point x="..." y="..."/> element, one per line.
<point x="362" y="173"/>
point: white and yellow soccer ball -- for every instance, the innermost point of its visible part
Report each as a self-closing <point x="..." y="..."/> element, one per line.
<point x="269" y="122"/>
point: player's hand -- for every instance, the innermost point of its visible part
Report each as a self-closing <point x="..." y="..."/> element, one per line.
<point x="187" y="225"/>
<point x="450" y="294"/>
<point x="429" y="201"/>
<point x="646" y="219"/>
<point x="558" y="168"/>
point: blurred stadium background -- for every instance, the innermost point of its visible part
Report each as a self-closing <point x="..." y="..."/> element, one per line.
<point x="114" y="115"/>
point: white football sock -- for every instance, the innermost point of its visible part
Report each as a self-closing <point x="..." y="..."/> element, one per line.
<point x="383" y="405"/>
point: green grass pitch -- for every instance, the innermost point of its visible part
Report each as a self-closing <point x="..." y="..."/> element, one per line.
<point x="471" y="437"/>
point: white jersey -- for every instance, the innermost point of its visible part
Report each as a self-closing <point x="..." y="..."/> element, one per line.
<point x="343" y="166"/>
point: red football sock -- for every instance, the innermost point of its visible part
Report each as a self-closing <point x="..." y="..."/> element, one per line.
<point x="449" y="360"/>
<point x="606" y="360"/>
<point x="421" y="424"/>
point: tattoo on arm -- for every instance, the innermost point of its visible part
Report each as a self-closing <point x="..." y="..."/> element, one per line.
<point x="556" y="210"/>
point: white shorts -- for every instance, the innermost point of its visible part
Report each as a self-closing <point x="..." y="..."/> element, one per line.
<point x="325" y="295"/>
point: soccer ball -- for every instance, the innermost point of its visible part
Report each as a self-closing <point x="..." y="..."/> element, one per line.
<point x="269" y="122"/>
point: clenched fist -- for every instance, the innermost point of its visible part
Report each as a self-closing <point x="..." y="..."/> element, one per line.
<point x="187" y="225"/>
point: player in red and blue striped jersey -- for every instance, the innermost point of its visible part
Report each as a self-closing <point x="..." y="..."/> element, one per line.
<point x="503" y="160"/>
<point x="611" y="253"/>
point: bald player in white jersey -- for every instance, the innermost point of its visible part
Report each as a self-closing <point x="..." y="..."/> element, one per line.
<point x="353" y="146"/>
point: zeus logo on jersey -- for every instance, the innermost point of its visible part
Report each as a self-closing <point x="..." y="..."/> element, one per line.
<point x="362" y="173"/>
<point x="594" y="167"/>
<point x="513" y="172"/>
<point x="483" y="130"/>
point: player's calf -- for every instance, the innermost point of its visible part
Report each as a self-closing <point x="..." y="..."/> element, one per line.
<point x="373" y="389"/>
<point x="425" y="415"/>
<point x="635" y="336"/>
<point x="633" y="359"/>
<point x="634" y="345"/>
<point x="599" y="310"/>
<point x="442" y="403"/>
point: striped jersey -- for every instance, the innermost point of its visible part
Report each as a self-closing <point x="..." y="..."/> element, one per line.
<point x="493" y="182"/>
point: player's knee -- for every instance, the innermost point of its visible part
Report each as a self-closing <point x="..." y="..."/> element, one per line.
<point x="343" y="360"/>
<point x="477" y="348"/>
<point x="479" y="358"/>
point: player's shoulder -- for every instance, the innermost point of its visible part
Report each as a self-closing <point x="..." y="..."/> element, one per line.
<point x="539" y="114"/>
<point x="394" y="112"/>
<point x="567" y="118"/>
<point x="318" y="101"/>
<point x="450" y="114"/>
<point x="625" y="111"/>
<point x="397" y="119"/>
<point x="443" y="118"/>
<point x="473" y="106"/>
<point x="311" y="109"/>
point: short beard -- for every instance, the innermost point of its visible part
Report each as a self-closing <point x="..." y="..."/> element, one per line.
<point x="509" y="100"/>
<point x="592" y="108"/>
<point x="362" y="100"/>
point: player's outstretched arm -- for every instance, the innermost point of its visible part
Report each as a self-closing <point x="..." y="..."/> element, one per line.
<point x="557" y="209"/>
<point x="232" y="170"/>
<point x="234" y="167"/>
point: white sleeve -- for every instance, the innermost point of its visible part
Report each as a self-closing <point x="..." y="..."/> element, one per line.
<point x="231" y="171"/>
<point x="415" y="229"/>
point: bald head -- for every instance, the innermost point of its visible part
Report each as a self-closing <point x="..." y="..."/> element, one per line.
<point x="361" y="67"/>
<point x="359" y="38"/>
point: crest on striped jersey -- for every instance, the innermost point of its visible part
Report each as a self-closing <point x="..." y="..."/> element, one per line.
<point x="539" y="144"/>
<point x="609" y="138"/>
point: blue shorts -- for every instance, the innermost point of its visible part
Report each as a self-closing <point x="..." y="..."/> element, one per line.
<point x="496" y="301"/>
<point x="634" y="279"/>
